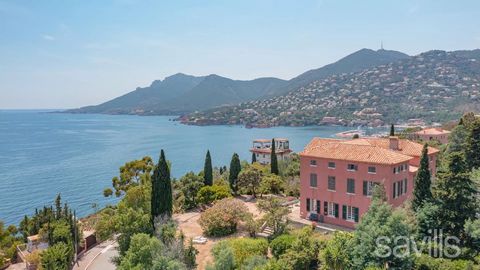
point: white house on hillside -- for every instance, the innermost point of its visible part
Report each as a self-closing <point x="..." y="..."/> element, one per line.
<point x="262" y="148"/>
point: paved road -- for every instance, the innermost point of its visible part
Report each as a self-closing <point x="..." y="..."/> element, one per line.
<point x="99" y="257"/>
<point x="104" y="260"/>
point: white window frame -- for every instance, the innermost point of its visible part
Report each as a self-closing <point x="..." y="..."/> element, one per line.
<point x="370" y="187"/>
<point x="313" y="206"/>
<point x="374" y="168"/>
<point x="313" y="163"/>
<point x="350" y="214"/>
<point x="334" y="165"/>
<point x="355" y="167"/>
<point x="331" y="209"/>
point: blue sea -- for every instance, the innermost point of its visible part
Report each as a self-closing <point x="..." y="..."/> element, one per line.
<point x="44" y="153"/>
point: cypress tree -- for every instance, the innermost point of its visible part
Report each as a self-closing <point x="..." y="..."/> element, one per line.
<point x="392" y="130"/>
<point x="254" y="158"/>
<point x="456" y="194"/>
<point x="58" y="207"/>
<point x="273" y="159"/>
<point x="208" y="171"/>
<point x="235" y="169"/>
<point x="161" y="201"/>
<point x="422" y="183"/>
<point x="472" y="151"/>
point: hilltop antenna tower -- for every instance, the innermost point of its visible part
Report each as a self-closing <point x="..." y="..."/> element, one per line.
<point x="381" y="45"/>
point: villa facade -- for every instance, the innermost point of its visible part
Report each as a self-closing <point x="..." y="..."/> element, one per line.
<point x="262" y="149"/>
<point x="430" y="134"/>
<point x="337" y="177"/>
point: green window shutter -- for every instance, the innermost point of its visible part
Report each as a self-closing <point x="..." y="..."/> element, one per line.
<point x="394" y="189"/>
<point x="355" y="213"/>
<point x="351" y="185"/>
<point x="336" y="210"/>
<point x="308" y="204"/>
<point x="325" y="208"/>
<point x="365" y="183"/>
<point x="344" y="211"/>
<point x="318" y="207"/>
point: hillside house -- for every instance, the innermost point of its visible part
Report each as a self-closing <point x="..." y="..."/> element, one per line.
<point x="337" y="177"/>
<point x="262" y="148"/>
<point x="433" y="134"/>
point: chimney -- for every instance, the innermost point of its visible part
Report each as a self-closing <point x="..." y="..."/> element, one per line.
<point x="393" y="140"/>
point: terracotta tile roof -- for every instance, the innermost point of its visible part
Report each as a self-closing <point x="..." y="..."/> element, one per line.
<point x="405" y="147"/>
<point x="433" y="131"/>
<point x="359" y="150"/>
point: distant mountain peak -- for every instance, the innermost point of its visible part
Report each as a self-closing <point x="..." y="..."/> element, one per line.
<point x="180" y="93"/>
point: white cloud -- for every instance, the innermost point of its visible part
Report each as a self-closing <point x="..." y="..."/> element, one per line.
<point x="48" y="37"/>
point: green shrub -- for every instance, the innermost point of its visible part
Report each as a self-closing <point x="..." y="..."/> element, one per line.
<point x="336" y="253"/>
<point x="224" y="258"/>
<point x="58" y="256"/>
<point x="425" y="262"/>
<point x="222" y="218"/>
<point x="243" y="248"/>
<point x="280" y="244"/>
<point x="3" y="261"/>
<point x="209" y="194"/>
<point x="254" y="262"/>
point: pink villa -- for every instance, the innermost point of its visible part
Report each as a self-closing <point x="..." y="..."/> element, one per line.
<point x="430" y="134"/>
<point x="337" y="176"/>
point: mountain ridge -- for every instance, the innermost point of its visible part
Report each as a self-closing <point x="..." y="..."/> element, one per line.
<point x="356" y="61"/>
<point x="181" y="93"/>
<point x="435" y="86"/>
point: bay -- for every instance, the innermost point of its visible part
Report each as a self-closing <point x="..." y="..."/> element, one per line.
<point x="43" y="154"/>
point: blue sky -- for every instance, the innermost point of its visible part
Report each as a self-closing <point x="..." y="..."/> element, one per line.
<point x="63" y="54"/>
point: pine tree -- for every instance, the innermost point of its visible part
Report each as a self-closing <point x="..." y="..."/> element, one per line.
<point x="392" y="130"/>
<point x="254" y="158"/>
<point x="455" y="193"/>
<point x="379" y="221"/>
<point x="422" y="183"/>
<point x="273" y="160"/>
<point x="235" y="169"/>
<point x="208" y="171"/>
<point x="456" y="140"/>
<point x="472" y="150"/>
<point x="161" y="201"/>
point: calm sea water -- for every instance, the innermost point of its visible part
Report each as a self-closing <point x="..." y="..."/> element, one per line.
<point x="42" y="154"/>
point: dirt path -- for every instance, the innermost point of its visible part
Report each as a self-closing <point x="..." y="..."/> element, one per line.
<point x="188" y="223"/>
